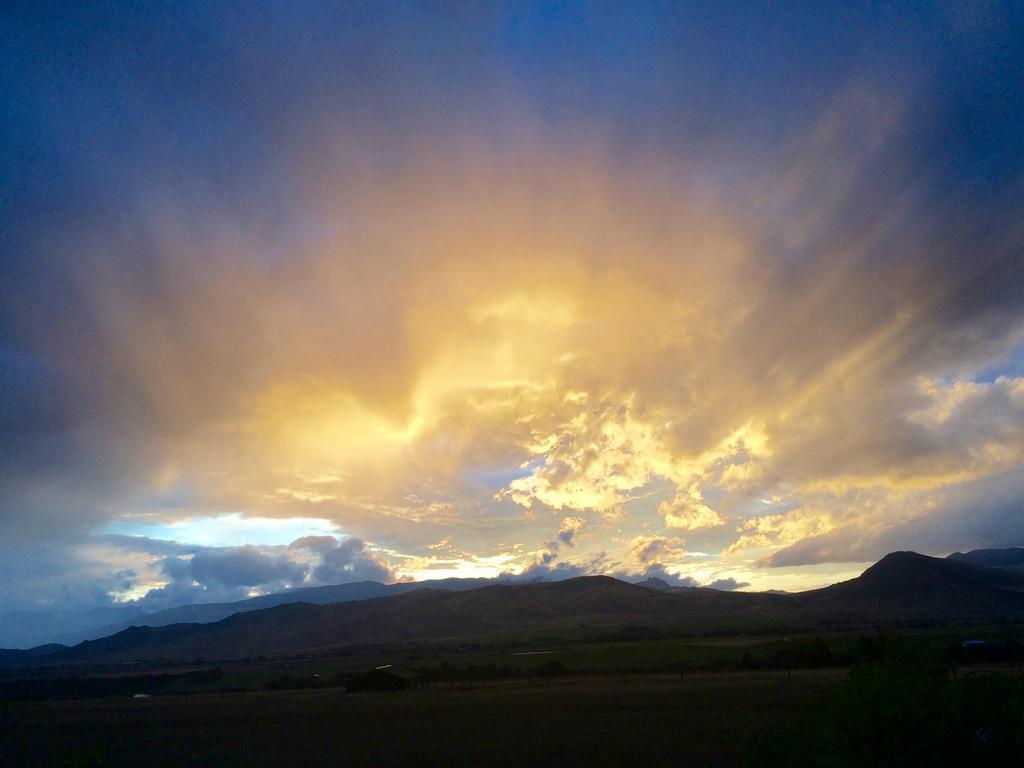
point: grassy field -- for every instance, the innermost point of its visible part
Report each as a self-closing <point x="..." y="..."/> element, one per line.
<point x="643" y="720"/>
<point x="661" y="701"/>
<point x="641" y="656"/>
<point x="443" y="662"/>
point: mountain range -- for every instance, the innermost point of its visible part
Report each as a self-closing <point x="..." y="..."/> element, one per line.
<point x="1011" y="558"/>
<point x="903" y="587"/>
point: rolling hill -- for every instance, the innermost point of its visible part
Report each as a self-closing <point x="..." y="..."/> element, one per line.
<point x="207" y="613"/>
<point x="424" y="614"/>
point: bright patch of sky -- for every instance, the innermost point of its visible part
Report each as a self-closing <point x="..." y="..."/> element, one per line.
<point x="480" y="567"/>
<point x="1011" y="366"/>
<point x="499" y="478"/>
<point x="227" y="530"/>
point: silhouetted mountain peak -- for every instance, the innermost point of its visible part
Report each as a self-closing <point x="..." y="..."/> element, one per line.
<point x="655" y="583"/>
<point x="897" y="565"/>
<point x="909" y="583"/>
<point x="913" y="570"/>
<point x="911" y="566"/>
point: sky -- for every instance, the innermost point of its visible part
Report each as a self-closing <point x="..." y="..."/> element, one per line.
<point x="306" y="293"/>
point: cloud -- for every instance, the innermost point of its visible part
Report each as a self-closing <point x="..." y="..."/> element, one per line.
<point x="55" y="576"/>
<point x="727" y="584"/>
<point x="973" y="515"/>
<point x="568" y="530"/>
<point x="650" y="550"/>
<point x="181" y="574"/>
<point x="546" y="564"/>
<point x="549" y="568"/>
<point x="576" y="298"/>
<point x="245" y="566"/>
<point x="351" y="561"/>
<point x="146" y="545"/>
<point x="673" y="579"/>
<point x="321" y="545"/>
<point x="658" y="571"/>
<point x="689" y="512"/>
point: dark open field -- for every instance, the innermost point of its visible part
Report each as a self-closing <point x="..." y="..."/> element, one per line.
<point x="700" y="719"/>
<point x="663" y="701"/>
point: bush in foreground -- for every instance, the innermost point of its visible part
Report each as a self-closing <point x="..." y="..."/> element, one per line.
<point x="908" y="708"/>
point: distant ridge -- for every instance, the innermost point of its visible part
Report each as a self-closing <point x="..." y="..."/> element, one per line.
<point x="1011" y="558"/>
<point x="27" y="628"/>
<point x="16" y="658"/>
<point x="206" y="613"/>
<point x="598" y="602"/>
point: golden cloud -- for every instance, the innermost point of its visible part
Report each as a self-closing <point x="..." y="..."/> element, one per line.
<point x="583" y="329"/>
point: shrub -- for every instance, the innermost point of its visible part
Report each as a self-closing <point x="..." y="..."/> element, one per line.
<point x="905" y="709"/>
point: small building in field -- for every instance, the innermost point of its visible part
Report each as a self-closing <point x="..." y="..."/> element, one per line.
<point x="386" y="678"/>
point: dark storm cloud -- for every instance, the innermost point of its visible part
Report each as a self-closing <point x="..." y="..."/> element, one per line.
<point x="319" y="544"/>
<point x="68" y="574"/>
<point x="219" y="572"/>
<point x="58" y="575"/>
<point x="243" y="566"/>
<point x="351" y="561"/>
